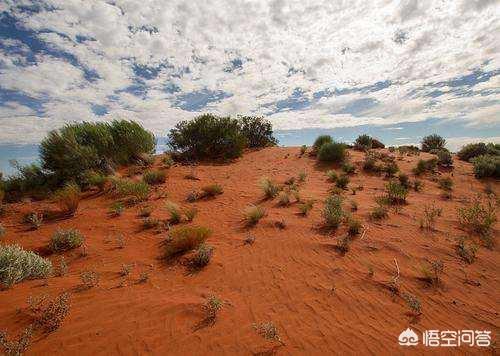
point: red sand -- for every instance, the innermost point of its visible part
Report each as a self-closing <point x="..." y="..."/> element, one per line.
<point x="322" y="302"/>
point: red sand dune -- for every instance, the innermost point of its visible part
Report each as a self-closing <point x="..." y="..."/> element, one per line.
<point x="322" y="302"/>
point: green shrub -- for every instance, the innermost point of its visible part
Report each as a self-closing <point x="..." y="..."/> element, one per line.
<point x="202" y="256"/>
<point x="81" y="147"/>
<point x="17" y="265"/>
<point x="332" y="152"/>
<point x="269" y="187"/>
<point x="208" y="137"/>
<point x="306" y="206"/>
<point x="363" y="142"/>
<point x="154" y="177"/>
<point x="257" y="131"/>
<point x="348" y="168"/>
<point x="479" y="216"/>
<point x="486" y="166"/>
<point x="95" y="179"/>
<point x="467" y="251"/>
<point x="354" y="226"/>
<point x="174" y="211"/>
<point x="185" y="238"/>
<point x="283" y="199"/>
<point x="417" y="185"/>
<point x="332" y="175"/>
<point x="117" y="208"/>
<point x="167" y="160"/>
<point x="446" y="183"/>
<point x="379" y="212"/>
<point x="28" y="180"/>
<point x="370" y="162"/>
<point x="390" y="169"/>
<point x="396" y="193"/>
<point x="444" y="158"/>
<point x="472" y="150"/>
<point x="425" y="166"/>
<point x="320" y="141"/>
<point x="128" y="189"/>
<point x="332" y="212"/>
<point x="303" y="150"/>
<point x="342" y="181"/>
<point x="68" y="198"/>
<point x="212" y="190"/>
<point x="253" y="214"/>
<point x="432" y="142"/>
<point x="404" y="180"/>
<point x="64" y="240"/>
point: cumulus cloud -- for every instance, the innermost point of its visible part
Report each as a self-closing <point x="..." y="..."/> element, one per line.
<point x="303" y="64"/>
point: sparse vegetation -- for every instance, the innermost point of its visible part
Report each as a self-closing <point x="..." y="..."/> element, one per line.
<point x="151" y="223"/>
<point x="432" y="142"/>
<point x="425" y="166"/>
<point x="466" y="250"/>
<point x="363" y="142"/>
<point x="145" y="211"/>
<point x="18" y="346"/>
<point x="212" y="307"/>
<point x="50" y="317"/>
<point x="268" y="331"/>
<point x="332" y="212"/>
<point x="34" y="220"/>
<point x="390" y="168"/>
<point x="342" y="181"/>
<point x="354" y="226"/>
<point x="396" y="193"/>
<point x="253" y="214"/>
<point x="432" y="273"/>
<point x="305" y="207"/>
<point x="64" y="240"/>
<point x="417" y="185"/>
<point x="17" y="264"/>
<point x="167" y="160"/>
<point x="348" y="168"/>
<point x="302" y="176"/>
<point x="479" y="216"/>
<point x="303" y="150"/>
<point x="444" y="158"/>
<point x="404" y="180"/>
<point x="413" y="303"/>
<point x="212" y="190"/>
<point x="134" y="192"/>
<point x="154" y="177"/>
<point x="3" y="230"/>
<point x="185" y="238"/>
<point x="190" y="213"/>
<point x="283" y="199"/>
<point x="117" y="208"/>
<point x="174" y="211"/>
<point x="202" y="256"/>
<point x="90" y="279"/>
<point x="332" y="175"/>
<point x="445" y="184"/>
<point x="428" y="220"/>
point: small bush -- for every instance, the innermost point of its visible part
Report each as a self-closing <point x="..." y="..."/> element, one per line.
<point x="413" y="303"/>
<point x="20" y="345"/>
<point x="486" y="166"/>
<point x="467" y="251"/>
<point x="432" y="273"/>
<point x="342" y="182"/>
<point x="212" y="307"/>
<point x="348" y="168"/>
<point x="302" y="176"/>
<point x="90" y="279"/>
<point x="68" y="198"/>
<point x="379" y="212"/>
<point x="95" y="179"/>
<point x="190" y="214"/>
<point x="167" y="160"/>
<point x="268" y="331"/>
<point x="444" y="158"/>
<point x="417" y="185"/>
<point x="396" y="192"/>
<point x="472" y="150"/>
<point x="185" y="238"/>
<point x="117" y="209"/>
<point x="253" y="214"/>
<point x="425" y="166"/>
<point x="404" y="180"/>
<point x="154" y="177"/>
<point x="212" y="190"/>
<point x="354" y="226"/>
<point x="332" y="152"/>
<point x="479" y="216"/>
<point x="332" y="175"/>
<point x="17" y="265"/>
<point x="363" y="142"/>
<point x="432" y="142"/>
<point x="174" y="211"/>
<point x="446" y="183"/>
<point x="303" y="150"/>
<point x="193" y="196"/>
<point x="269" y="187"/>
<point x="202" y="256"/>
<point x="390" y="169"/>
<point x="320" y="141"/>
<point x="332" y="212"/>
<point x="343" y="244"/>
<point x="306" y="206"/>
<point x="64" y="240"/>
<point x="370" y="163"/>
<point x="151" y="223"/>
<point x="51" y="317"/>
<point x="428" y="219"/>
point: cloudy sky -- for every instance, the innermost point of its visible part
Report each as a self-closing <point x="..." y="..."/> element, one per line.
<point x="408" y="67"/>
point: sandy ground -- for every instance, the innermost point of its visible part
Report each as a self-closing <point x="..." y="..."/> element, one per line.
<point x="322" y="302"/>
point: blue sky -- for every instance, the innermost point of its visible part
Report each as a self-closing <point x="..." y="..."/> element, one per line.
<point x="397" y="69"/>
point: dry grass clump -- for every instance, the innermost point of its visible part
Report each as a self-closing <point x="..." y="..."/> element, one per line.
<point x="268" y="331"/>
<point x="17" y="265"/>
<point x="154" y="177"/>
<point x="303" y="150"/>
<point x="413" y="303"/>
<point x="202" y="256"/>
<point x="151" y="223"/>
<point x="145" y="211"/>
<point x="212" y="190"/>
<point x="283" y="198"/>
<point x="332" y="175"/>
<point x="192" y="196"/>
<point x="332" y="212"/>
<point x="253" y="214"/>
<point x="380" y="211"/>
<point x="354" y="226"/>
<point x="167" y="160"/>
<point x="467" y="251"/>
<point x="134" y="192"/>
<point x="64" y="240"/>
<point x="428" y="220"/>
<point x="424" y="166"/>
<point x="306" y="206"/>
<point x="117" y="208"/>
<point x="212" y="307"/>
<point x="417" y="185"/>
<point x="348" y="168"/>
<point x="68" y="198"/>
<point x="342" y="182"/>
<point x="302" y="176"/>
<point x="190" y="214"/>
<point x="185" y="238"/>
<point x="50" y="317"/>
<point x="18" y="346"/>
<point x="174" y="211"/>
<point x="269" y="187"/>
<point x="446" y="184"/>
<point x="343" y="244"/>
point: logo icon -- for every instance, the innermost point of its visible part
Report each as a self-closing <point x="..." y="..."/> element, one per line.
<point x="408" y="338"/>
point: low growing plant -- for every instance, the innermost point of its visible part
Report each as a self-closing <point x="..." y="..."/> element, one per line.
<point x="64" y="240"/>
<point x="185" y="238"/>
<point x="17" y="264"/>
<point x="253" y="214"/>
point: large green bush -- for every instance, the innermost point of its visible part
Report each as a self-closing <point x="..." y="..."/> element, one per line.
<point x="258" y="131"/>
<point x="363" y="142"/>
<point x="210" y="136"/>
<point x="472" y="150"/>
<point x="332" y="152"/>
<point x="77" y="148"/>
<point x="320" y="141"/>
<point x="486" y="166"/>
<point x="28" y="180"/>
<point x="17" y="265"/>
<point x="432" y="142"/>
